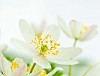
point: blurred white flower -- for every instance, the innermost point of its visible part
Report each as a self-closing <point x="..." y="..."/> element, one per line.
<point x="44" y="48"/>
<point x="14" y="68"/>
<point x="77" y="30"/>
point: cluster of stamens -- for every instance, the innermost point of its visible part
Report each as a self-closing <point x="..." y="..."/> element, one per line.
<point x="45" y="45"/>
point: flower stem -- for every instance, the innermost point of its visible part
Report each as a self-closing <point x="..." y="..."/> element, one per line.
<point x="32" y="67"/>
<point x="70" y="66"/>
<point x="90" y="68"/>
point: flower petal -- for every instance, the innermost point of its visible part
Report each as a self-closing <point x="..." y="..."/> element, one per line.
<point x="41" y="61"/>
<point x="54" y="71"/>
<point x="53" y="30"/>
<point x="67" y="53"/>
<point x="22" y="46"/>
<point x="3" y="47"/>
<point x="75" y="27"/>
<point x="26" y="31"/>
<point x="63" y="26"/>
<point x="35" y="29"/>
<point x="21" y="71"/>
<point x="62" y="61"/>
<point x="4" y="65"/>
<point x="89" y="33"/>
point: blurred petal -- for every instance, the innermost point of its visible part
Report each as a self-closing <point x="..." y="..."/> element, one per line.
<point x="41" y="61"/>
<point x="3" y="47"/>
<point x="21" y="71"/>
<point x="63" y="26"/>
<point x="75" y="27"/>
<point x="62" y="61"/>
<point x="54" y="71"/>
<point x="35" y="29"/>
<point x="4" y="65"/>
<point x="19" y="61"/>
<point x="53" y="30"/>
<point x="22" y="46"/>
<point x="26" y="31"/>
<point x="89" y="33"/>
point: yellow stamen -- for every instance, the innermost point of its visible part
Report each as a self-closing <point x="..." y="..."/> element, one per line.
<point x="14" y="66"/>
<point x="45" y="45"/>
<point x="43" y="73"/>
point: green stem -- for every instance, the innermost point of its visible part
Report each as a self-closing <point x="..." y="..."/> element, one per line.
<point x="32" y="67"/>
<point x="70" y="66"/>
<point x="89" y="69"/>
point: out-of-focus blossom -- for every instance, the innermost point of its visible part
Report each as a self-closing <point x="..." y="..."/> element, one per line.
<point x="14" y="68"/>
<point x="77" y="30"/>
<point x="44" y="48"/>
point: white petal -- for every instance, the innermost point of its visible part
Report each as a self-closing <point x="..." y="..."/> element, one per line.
<point x="35" y="29"/>
<point x="63" y="26"/>
<point x="41" y="61"/>
<point x="67" y="53"/>
<point x="53" y="30"/>
<point x="36" y="73"/>
<point x="4" y="65"/>
<point x="22" y="46"/>
<point x="75" y="27"/>
<point x="26" y="31"/>
<point x="89" y="33"/>
<point x="54" y="71"/>
<point x="21" y="71"/>
<point x="62" y="61"/>
<point x="3" y="47"/>
<point x="19" y="61"/>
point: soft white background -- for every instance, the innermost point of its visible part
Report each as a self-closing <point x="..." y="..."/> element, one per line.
<point x="34" y="11"/>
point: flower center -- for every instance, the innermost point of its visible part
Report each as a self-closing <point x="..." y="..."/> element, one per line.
<point x="85" y="28"/>
<point x="45" y="45"/>
<point x="13" y="66"/>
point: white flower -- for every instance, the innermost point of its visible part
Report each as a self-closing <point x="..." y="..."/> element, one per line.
<point x="77" y="30"/>
<point x="14" y="68"/>
<point x="44" y="48"/>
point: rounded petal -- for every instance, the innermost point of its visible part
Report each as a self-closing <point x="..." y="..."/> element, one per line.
<point x="3" y="47"/>
<point x="62" y="61"/>
<point x="35" y="29"/>
<point x="19" y="61"/>
<point x="42" y="61"/>
<point x="54" y="71"/>
<point x="63" y="26"/>
<point x="67" y="53"/>
<point x="26" y="31"/>
<point x="4" y="65"/>
<point x="89" y="33"/>
<point x="21" y="71"/>
<point x="53" y="30"/>
<point x="22" y="46"/>
<point x="75" y="28"/>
